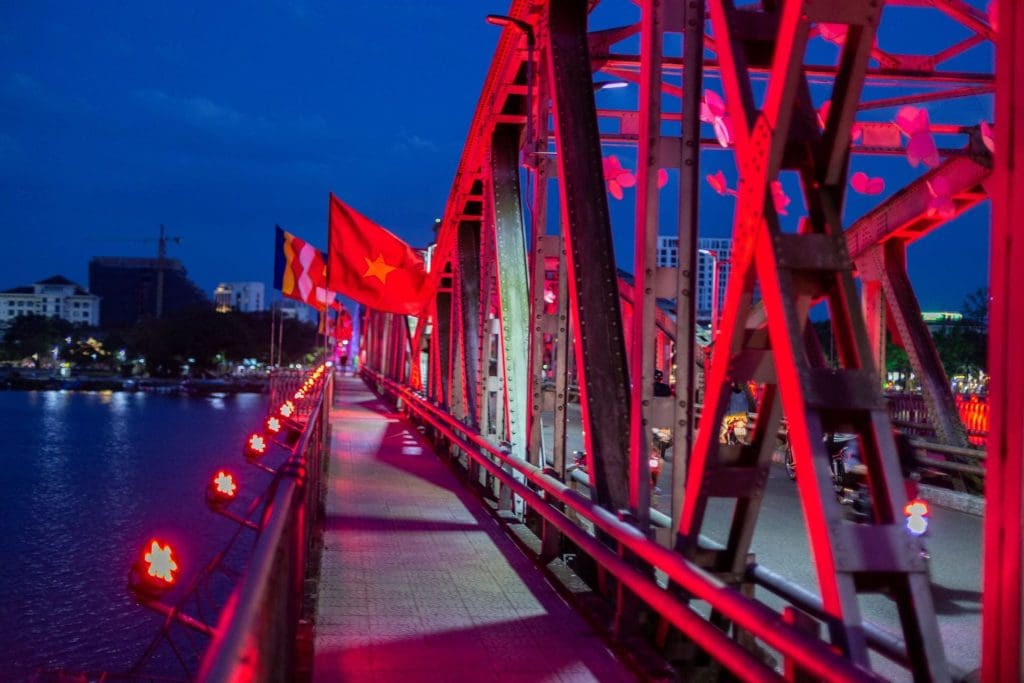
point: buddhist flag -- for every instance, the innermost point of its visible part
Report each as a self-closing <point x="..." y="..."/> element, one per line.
<point x="369" y="264"/>
<point x="299" y="270"/>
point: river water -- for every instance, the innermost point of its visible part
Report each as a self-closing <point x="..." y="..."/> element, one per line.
<point x="86" y="479"/>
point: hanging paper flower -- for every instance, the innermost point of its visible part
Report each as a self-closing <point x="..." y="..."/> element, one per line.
<point x="718" y="184"/>
<point x="712" y="110"/>
<point x="779" y="198"/>
<point x="855" y="129"/>
<point x="833" y="33"/>
<point x="616" y="177"/>
<point x="865" y="184"/>
<point x="988" y="137"/>
<point x="662" y="178"/>
<point x="913" y="122"/>
<point x="941" y="203"/>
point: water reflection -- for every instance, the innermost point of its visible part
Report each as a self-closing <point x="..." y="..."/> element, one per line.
<point x="84" y="479"/>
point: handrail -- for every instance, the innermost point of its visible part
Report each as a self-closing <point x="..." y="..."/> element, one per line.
<point x="265" y="602"/>
<point x="806" y="651"/>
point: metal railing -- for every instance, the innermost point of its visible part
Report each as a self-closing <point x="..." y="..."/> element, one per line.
<point x="552" y="499"/>
<point x="255" y="637"/>
<point x="909" y="412"/>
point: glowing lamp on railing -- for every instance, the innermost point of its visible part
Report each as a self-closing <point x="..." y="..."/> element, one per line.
<point x="153" y="573"/>
<point x="273" y="424"/>
<point x="287" y="409"/>
<point x="255" y="447"/>
<point x="299" y="395"/>
<point x="222" y="489"/>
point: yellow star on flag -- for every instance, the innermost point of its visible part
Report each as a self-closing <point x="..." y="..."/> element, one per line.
<point x="378" y="268"/>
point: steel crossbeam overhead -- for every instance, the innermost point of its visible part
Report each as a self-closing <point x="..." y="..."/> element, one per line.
<point x="526" y="313"/>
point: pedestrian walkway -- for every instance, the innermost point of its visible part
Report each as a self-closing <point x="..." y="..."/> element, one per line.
<point x="419" y="583"/>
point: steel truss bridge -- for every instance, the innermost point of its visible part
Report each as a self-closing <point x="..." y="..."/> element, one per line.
<point x="526" y="307"/>
<point x="477" y="368"/>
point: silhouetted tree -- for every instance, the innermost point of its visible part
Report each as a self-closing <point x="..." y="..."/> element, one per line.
<point x="34" y="334"/>
<point x="202" y="338"/>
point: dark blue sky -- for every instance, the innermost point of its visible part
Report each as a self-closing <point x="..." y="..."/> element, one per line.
<point x="221" y="119"/>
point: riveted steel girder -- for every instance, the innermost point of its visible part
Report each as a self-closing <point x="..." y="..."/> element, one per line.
<point x="593" y="287"/>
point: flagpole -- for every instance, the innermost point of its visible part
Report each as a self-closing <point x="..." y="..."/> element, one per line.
<point x="271" y="361"/>
<point x="280" y="336"/>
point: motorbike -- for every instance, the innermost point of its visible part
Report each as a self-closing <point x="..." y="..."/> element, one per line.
<point x="842" y="448"/>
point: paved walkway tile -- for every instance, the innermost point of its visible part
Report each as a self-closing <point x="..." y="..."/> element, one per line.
<point x="419" y="583"/>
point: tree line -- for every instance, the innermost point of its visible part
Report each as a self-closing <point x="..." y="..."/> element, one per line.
<point x="201" y="338"/>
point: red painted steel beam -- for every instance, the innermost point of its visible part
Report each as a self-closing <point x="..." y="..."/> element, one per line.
<point x="1002" y="603"/>
<point x="905" y="215"/>
<point x="640" y="342"/>
<point x="875" y="76"/>
<point x="592" y="274"/>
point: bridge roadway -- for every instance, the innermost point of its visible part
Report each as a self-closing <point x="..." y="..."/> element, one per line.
<point x="419" y="583"/>
<point x="780" y="543"/>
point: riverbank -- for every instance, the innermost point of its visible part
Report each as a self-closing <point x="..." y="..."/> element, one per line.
<point x="202" y="387"/>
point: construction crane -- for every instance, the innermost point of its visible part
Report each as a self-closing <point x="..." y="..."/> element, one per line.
<point x="161" y="254"/>
<point x="161" y="257"/>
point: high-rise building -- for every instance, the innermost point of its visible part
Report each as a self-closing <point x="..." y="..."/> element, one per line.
<point x="246" y="297"/>
<point x="721" y="247"/>
<point x="56" y="297"/>
<point x="131" y="287"/>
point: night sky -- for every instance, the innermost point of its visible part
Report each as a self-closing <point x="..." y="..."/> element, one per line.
<point x="221" y="119"/>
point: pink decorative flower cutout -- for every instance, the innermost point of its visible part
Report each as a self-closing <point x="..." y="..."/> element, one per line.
<point x="913" y="122"/>
<point x="718" y="184"/>
<point x="662" y="178"/>
<point x="833" y="33"/>
<point x="988" y="137"/>
<point x="616" y="177"/>
<point x="779" y="198"/>
<point x="826" y="107"/>
<point x="712" y="110"/>
<point x="549" y="295"/>
<point x="865" y="184"/>
<point x="941" y="203"/>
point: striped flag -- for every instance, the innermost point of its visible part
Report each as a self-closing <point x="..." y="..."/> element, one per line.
<point x="299" y="271"/>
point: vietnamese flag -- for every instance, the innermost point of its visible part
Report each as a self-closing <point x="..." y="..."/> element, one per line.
<point x="343" y="326"/>
<point x="367" y="263"/>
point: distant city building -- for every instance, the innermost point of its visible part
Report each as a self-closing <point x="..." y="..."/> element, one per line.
<point x="668" y="257"/>
<point x="246" y="297"/>
<point x="940" y="321"/>
<point x="128" y="287"/>
<point x="56" y="297"/>
<point x="291" y="309"/>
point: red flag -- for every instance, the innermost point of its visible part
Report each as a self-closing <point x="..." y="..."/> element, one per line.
<point x="369" y="264"/>
<point x="343" y="326"/>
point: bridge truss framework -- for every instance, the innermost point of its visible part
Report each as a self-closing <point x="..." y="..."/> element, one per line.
<point x="522" y="307"/>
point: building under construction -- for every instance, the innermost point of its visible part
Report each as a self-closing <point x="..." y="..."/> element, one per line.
<point x="130" y="288"/>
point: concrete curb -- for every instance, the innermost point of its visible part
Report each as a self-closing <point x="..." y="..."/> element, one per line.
<point x="953" y="500"/>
